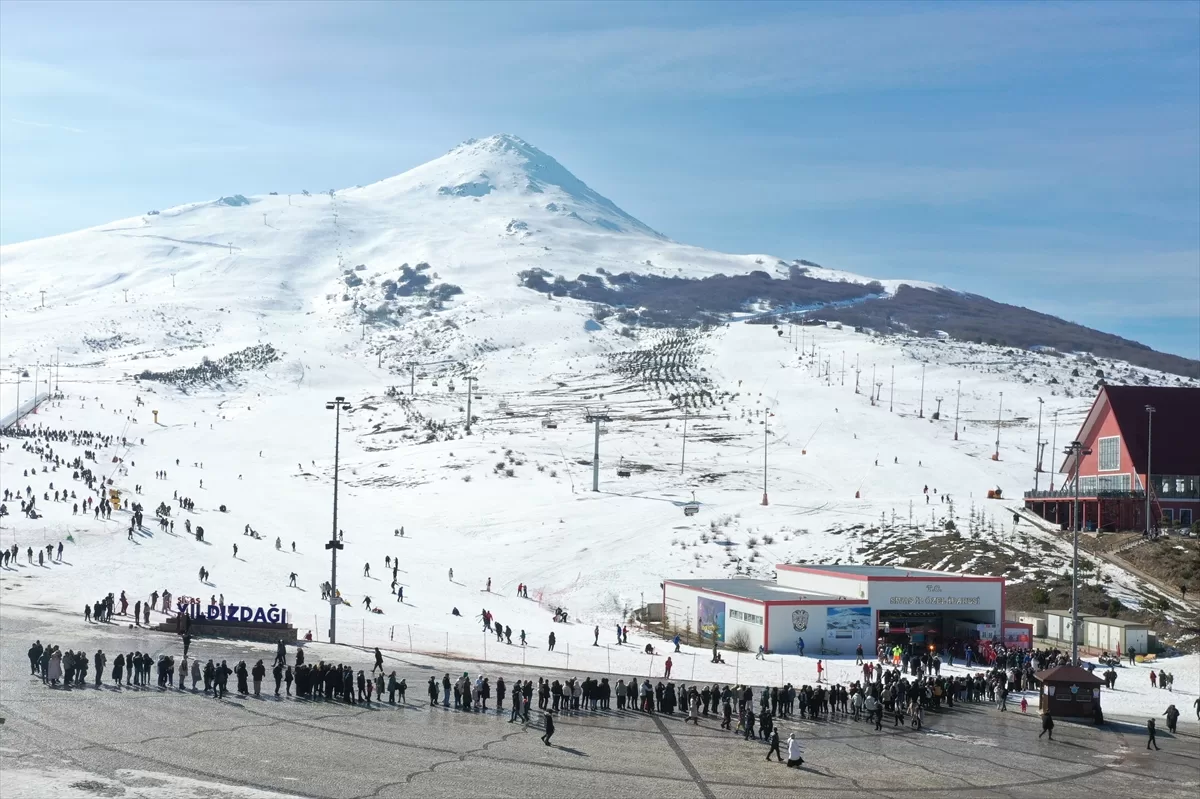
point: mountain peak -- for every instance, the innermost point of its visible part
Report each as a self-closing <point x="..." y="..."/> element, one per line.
<point x="507" y="165"/>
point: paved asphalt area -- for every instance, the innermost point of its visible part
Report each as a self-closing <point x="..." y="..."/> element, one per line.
<point x="123" y="741"/>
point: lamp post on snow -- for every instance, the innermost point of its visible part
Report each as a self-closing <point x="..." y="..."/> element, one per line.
<point x="337" y="405"/>
<point x="1077" y="451"/>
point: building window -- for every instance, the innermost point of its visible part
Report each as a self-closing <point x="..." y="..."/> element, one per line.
<point x="749" y="618"/>
<point x="1110" y="454"/>
<point x="1112" y="482"/>
<point x="1087" y="485"/>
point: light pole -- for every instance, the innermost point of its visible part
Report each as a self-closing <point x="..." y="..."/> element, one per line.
<point x="683" y="454"/>
<point x="1037" y="466"/>
<point x="921" y="412"/>
<point x="938" y="413"/>
<point x="765" y="426"/>
<point x="892" y="392"/>
<point x="1149" y="443"/>
<point x="1054" y="446"/>
<point x="957" y="398"/>
<point x="337" y="405"/>
<point x="999" y="416"/>
<point x="1075" y="449"/>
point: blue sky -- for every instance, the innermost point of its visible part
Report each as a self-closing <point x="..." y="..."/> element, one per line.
<point x="1043" y="154"/>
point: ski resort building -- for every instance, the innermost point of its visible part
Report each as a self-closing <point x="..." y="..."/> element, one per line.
<point x="1122" y="441"/>
<point x="836" y="609"/>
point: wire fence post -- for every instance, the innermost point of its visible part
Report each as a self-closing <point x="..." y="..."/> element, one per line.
<point x="782" y="681"/>
<point x="447" y="643"/>
<point x="410" y="639"/>
<point x="485" y="637"/>
<point x="737" y="669"/>
<point x="651" y="672"/>
<point x="608" y="659"/>
<point x="363" y="632"/>
<point x="693" y="674"/>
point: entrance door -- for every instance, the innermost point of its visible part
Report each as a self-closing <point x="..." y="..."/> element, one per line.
<point x="1185" y="517"/>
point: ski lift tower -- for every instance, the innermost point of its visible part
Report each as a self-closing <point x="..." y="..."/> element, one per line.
<point x="596" y="419"/>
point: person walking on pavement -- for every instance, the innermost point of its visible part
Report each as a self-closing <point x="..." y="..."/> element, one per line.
<point x="548" y="722"/>
<point x="795" y="752"/>
<point x="774" y="740"/>
<point x="1047" y="725"/>
<point x="378" y="661"/>
<point x="1150" y="740"/>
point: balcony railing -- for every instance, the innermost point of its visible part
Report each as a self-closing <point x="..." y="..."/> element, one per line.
<point x="1069" y="493"/>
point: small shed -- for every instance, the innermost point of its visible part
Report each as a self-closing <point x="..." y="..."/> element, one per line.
<point x="1099" y="633"/>
<point x="1070" y="692"/>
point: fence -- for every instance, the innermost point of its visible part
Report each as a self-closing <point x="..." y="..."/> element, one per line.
<point x="609" y="658"/>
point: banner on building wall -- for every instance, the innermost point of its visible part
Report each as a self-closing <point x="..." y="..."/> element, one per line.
<point x="710" y="615"/>
<point x="853" y="623"/>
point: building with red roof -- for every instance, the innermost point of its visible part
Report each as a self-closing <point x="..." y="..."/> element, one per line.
<point x="1134" y="438"/>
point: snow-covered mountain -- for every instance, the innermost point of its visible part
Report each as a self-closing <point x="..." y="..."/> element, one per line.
<point x="491" y="278"/>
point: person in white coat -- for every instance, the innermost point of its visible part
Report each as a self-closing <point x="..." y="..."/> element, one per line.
<point x="54" y="668"/>
<point x="795" y="752"/>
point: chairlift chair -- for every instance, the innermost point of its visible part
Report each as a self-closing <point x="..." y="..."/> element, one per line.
<point x="691" y="508"/>
<point x="622" y="471"/>
<point x="549" y="423"/>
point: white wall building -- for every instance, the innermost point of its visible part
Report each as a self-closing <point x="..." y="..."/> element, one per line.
<point x="835" y="609"/>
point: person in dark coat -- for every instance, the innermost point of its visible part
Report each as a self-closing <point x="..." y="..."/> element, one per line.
<point x="774" y="740"/>
<point x="548" y="722"/>
<point x="118" y="667"/>
<point x="1047" y="725"/>
<point x="1150" y="740"/>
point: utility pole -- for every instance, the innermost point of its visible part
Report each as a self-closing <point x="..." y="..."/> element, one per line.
<point x="938" y="413"/>
<point x="43" y="293"/>
<point x="470" y="392"/>
<point x="1037" y="467"/>
<point x="873" y="384"/>
<point x="843" y="367"/>
<point x="412" y="377"/>
<point x="1076" y="449"/>
<point x="596" y="419"/>
<point x="999" y="416"/>
<point x="957" y="397"/>
<point x="57" y="350"/>
<point x="683" y="456"/>
<point x="856" y="371"/>
<point x="337" y="405"/>
<point x="126" y="294"/>
<point x="892" y="392"/>
<point x="172" y="280"/>
<point x="1149" y="443"/>
<point x="921" y="412"/>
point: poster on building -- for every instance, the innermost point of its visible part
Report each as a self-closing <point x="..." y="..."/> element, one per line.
<point x="853" y="623"/>
<point x="710" y="615"/>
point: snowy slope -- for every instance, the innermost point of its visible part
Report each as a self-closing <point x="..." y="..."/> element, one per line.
<point x="511" y="501"/>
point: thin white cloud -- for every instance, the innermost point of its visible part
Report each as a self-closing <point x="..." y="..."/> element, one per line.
<point x="51" y="125"/>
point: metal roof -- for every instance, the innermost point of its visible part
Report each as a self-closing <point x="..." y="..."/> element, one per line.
<point x="758" y="590"/>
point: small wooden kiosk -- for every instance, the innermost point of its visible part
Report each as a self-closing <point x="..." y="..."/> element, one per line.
<point x="1070" y="692"/>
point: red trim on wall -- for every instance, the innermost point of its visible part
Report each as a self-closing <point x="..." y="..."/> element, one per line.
<point x="928" y="578"/>
<point x="965" y="578"/>
<point x="773" y="602"/>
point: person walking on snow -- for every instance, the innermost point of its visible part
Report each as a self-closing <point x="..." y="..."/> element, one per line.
<point x="366" y="570"/>
<point x="596" y="636"/>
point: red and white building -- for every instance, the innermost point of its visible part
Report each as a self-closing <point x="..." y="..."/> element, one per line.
<point x="1123" y="441"/>
<point x="835" y="609"/>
